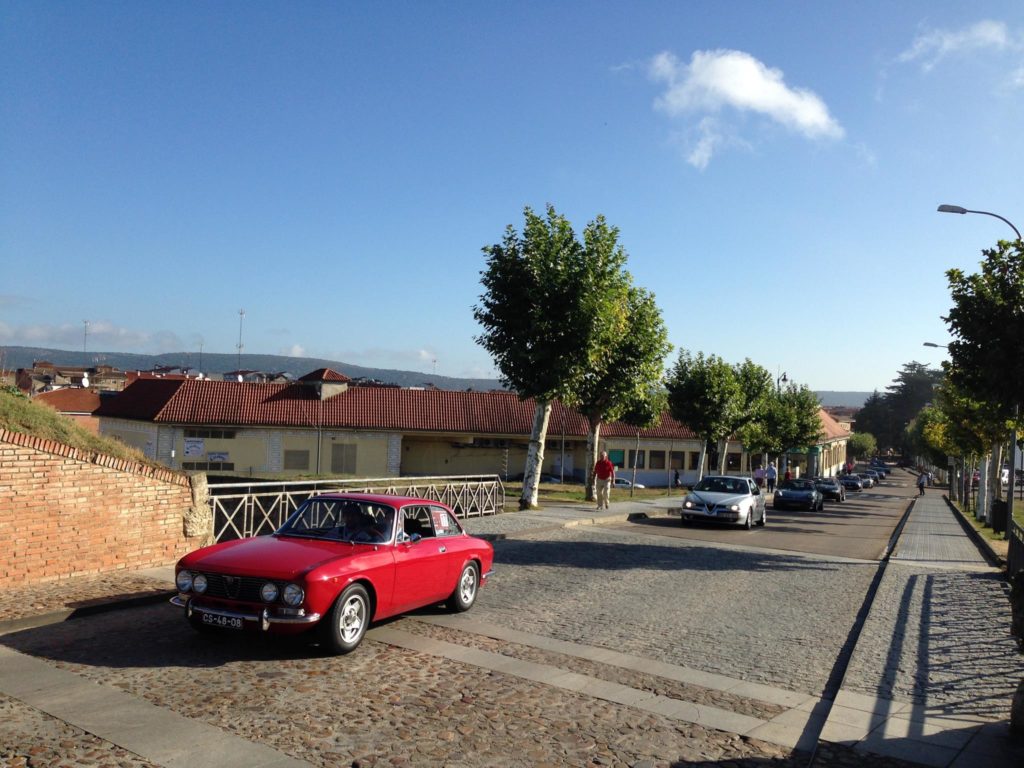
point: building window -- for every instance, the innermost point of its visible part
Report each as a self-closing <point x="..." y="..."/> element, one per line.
<point x="694" y="459"/>
<point x="636" y="459"/>
<point x="207" y="466"/>
<point x="657" y="459"/>
<point x="343" y="459"/>
<point x="678" y="459"/>
<point x="296" y="460"/>
<point x="618" y="458"/>
<point x="732" y="462"/>
<point x="213" y="434"/>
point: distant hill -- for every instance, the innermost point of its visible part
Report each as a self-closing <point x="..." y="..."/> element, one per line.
<point x="212" y="363"/>
<point x="846" y="399"/>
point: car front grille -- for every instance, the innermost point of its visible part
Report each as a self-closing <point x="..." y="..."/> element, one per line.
<point x="244" y="588"/>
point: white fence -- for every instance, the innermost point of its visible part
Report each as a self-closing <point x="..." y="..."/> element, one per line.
<point x="241" y="510"/>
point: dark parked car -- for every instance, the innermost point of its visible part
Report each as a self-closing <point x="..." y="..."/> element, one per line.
<point x="800" y="494"/>
<point x="830" y="488"/>
<point x="851" y="483"/>
<point x="876" y="476"/>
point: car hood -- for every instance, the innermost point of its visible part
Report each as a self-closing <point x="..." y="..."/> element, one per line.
<point x="277" y="557"/>
<point x="795" y="491"/>
<point x="712" y="498"/>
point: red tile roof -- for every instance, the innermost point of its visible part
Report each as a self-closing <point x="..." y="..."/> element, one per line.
<point x="72" y="400"/>
<point x="367" y="408"/>
<point x="325" y="374"/>
<point x="230" y="403"/>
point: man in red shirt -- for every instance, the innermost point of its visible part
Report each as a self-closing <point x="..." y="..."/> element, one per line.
<point x="604" y="472"/>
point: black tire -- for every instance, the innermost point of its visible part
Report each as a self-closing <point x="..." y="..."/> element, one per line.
<point x="749" y="525"/>
<point x="821" y="505"/>
<point x="466" y="589"/>
<point x="347" y="622"/>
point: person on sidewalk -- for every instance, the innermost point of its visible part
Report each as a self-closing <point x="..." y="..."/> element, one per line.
<point x="771" y="475"/>
<point x="604" y="476"/>
<point x="759" y="476"/>
<point x="922" y="480"/>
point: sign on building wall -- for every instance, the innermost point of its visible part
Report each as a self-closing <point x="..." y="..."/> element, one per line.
<point x="195" y="446"/>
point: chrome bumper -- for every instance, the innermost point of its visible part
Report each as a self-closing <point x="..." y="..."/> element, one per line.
<point x="264" y="617"/>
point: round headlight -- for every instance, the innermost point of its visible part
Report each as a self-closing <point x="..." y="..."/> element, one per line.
<point x="734" y="508"/>
<point x="269" y="592"/>
<point x="184" y="581"/>
<point x="688" y="504"/>
<point x="293" y="595"/>
<point x="199" y="583"/>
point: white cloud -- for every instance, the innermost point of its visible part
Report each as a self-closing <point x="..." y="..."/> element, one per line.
<point x="1017" y="78"/>
<point x="932" y="46"/>
<point x="102" y="335"/>
<point x="721" y="79"/>
<point x="295" y="350"/>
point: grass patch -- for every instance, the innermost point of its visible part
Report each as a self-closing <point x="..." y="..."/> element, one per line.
<point x="19" y="414"/>
<point x="570" y="493"/>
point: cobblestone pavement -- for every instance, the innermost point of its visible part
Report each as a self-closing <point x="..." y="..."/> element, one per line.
<point x="767" y="617"/>
<point x="936" y="630"/>
<point x="775" y="618"/>
<point x="380" y="706"/>
<point x="80" y="592"/>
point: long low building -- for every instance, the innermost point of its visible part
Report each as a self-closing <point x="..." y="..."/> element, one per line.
<point x="323" y="425"/>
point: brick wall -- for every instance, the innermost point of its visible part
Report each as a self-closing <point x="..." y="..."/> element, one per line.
<point x="66" y="512"/>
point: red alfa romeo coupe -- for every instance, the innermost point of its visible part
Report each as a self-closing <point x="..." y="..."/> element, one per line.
<point x="338" y="563"/>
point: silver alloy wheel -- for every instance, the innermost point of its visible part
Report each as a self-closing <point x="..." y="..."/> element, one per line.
<point x="352" y="618"/>
<point x="467" y="585"/>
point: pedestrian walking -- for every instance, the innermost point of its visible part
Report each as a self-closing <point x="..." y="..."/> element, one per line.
<point x="788" y="475"/>
<point x="676" y="481"/>
<point x="771" y="475"/>
<point x="759" y="476"/>
<point x="922" y="480"/>
<point x="604" y="476"/>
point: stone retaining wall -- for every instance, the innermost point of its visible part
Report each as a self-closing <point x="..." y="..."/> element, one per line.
<point x="66" y="512"/>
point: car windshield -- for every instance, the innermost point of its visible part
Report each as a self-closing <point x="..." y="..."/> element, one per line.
<point x="722" y="485"/>
<point x="797" y="485"/>
<point x="825" y="481"/>
<point x="341" y="519"/>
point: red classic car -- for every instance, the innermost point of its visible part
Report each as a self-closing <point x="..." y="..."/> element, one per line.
<point x="339" y="562"/>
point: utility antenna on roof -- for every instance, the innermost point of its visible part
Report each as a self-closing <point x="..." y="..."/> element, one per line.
<point x="241" y="316"/>
<point x="85" y="340"/>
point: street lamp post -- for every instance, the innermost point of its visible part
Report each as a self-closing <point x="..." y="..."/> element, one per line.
<point x="1013" y="436"/>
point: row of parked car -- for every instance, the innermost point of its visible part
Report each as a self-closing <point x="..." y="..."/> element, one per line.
<point x="729" y="499"/>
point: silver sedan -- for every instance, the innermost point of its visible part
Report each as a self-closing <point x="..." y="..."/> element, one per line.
<point x="725" y="499"/>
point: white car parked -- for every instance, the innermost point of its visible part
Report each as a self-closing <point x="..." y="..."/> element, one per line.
<point x="725" y="499"/>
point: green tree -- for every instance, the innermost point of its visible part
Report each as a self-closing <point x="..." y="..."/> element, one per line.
<point x="703" y="393"/>
<point x="789" y="420"/>
<point x="987" y="320"/>
<point x="551" y="310"/>
<point x="861" y="445"/>
<point x="625" y="382"/>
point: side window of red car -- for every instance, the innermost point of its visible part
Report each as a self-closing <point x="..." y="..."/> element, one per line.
<point x="417" y="521"/>
<point x="444" y="522"/>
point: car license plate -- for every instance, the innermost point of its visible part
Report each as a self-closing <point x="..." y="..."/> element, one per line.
<point x="227" y="622"/>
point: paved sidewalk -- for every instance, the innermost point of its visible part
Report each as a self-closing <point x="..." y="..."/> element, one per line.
<point x="934" y="669"/>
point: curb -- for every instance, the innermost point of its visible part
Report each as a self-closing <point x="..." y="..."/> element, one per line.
<point x="979" y="541"/>
<point x="622" y="517"/>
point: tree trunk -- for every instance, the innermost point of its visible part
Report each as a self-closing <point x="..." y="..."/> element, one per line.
<point x="723" y="455"/>
<point x="593" y="441"/>
<point x="982" y="508"/>
<point x="703" y="456"/>
<point x="996" y="470"/>
<point x="535" y="455"/>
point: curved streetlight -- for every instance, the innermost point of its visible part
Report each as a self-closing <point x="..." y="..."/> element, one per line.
<point x="1013" y="435"/>
<point x="961" y="209"/>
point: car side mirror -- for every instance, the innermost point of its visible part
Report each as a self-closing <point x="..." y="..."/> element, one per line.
<point x="405" y="538"/>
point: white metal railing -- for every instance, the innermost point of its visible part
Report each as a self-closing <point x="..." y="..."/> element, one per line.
<point x="241" y="510"/>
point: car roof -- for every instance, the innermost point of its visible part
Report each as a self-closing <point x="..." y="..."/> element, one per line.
<point x="378" y="498"/>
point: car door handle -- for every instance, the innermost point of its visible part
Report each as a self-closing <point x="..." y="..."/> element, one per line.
<point x="442" y="549"/>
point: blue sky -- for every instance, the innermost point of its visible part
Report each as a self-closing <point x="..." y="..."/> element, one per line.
<point x="335" y="169"/>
